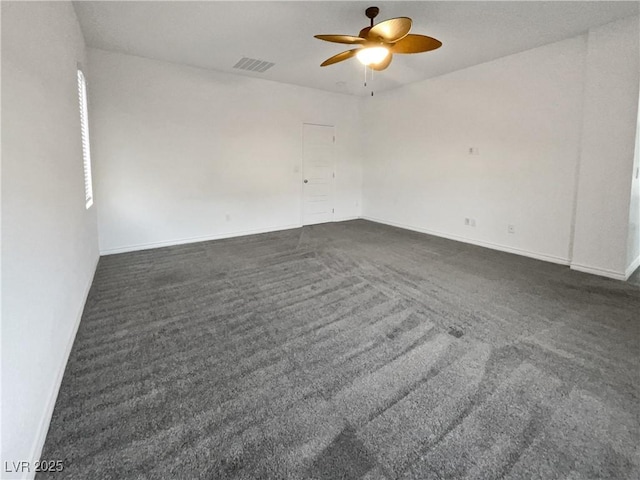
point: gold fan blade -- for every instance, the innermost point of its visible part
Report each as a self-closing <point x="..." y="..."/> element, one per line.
<point x="383" y="64"/>
<point x="415" y="44"/>
<point x="339" y="57"/>
<point x="391" y="30"/>
<point x="348" y="39"/>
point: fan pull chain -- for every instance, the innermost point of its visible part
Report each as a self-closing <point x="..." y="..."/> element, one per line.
<point x="370" y="77"/>
<point x="372" y="82"/>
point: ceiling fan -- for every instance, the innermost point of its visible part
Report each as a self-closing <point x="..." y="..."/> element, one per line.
<point x="378" y="43"/>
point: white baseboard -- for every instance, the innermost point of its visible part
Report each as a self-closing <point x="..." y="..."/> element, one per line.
<point x="632" y="268"/>
<point x="480" y="243"/>
<point x="205" y="238"/>
<point x="603" y="272"/>
<point x="494" y="246"/>
<point x="43" y="429"/>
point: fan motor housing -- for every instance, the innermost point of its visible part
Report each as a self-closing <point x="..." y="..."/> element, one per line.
<point x="363" y="33"/>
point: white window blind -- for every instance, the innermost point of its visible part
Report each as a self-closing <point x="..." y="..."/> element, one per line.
<point x="86" y="151"/>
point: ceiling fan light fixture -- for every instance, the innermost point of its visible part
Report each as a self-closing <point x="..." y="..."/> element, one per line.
<point x="377" y="44"/>
<point x="372" y="55"/>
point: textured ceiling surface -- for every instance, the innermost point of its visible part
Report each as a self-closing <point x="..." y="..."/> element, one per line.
<point x="216" y="35"/>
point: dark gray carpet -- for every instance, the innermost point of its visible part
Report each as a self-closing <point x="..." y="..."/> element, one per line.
<point x="349" y="350"/>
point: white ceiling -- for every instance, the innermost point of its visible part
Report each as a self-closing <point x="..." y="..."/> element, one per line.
<point x="216" y="34"/>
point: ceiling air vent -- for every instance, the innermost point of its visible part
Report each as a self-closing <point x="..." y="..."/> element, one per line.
<point x="254" y="65"/>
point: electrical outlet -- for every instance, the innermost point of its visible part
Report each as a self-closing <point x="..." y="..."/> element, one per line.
<point x="466" y="221"/>
<point x="472" y="222"/>
<point x="228" y="217"/>
<point x="474" y="151"/>
<point x="511" y="228"/>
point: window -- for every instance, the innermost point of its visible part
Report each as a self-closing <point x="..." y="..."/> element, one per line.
<point x="84" y="128"/>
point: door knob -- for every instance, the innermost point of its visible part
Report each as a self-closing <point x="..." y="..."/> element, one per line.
<point x="306" y="181"/>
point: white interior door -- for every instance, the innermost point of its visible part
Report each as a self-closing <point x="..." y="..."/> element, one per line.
<point x="318" y="174"/>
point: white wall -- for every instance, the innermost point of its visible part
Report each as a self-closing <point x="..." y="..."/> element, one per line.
<point x="49" y="239"/>
<point x="522" y="113"/>
<point x="177" y="149"/>
<point x="633" y="238"/>
<point x="609" y="129"/>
